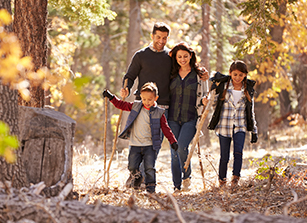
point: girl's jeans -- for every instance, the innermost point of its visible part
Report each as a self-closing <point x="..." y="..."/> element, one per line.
<point x="148" y="155"/>
<point x="184" y="133"/>
<point x="238" y="144"/>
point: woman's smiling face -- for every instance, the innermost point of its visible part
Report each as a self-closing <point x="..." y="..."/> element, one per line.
<point x="183" y="58"/>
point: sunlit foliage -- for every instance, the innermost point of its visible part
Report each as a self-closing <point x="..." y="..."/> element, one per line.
<point x="86" y="12"/>
<point x="8" y="143"/>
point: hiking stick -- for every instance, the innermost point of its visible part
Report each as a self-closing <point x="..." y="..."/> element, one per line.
<point x="105" y="138"/>
<point x="201" y="165"/>
<point x="199" y="127"/>
<point x="116" y="136"/>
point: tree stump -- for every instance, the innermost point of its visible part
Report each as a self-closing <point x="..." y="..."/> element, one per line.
<point x="46" y="138"/>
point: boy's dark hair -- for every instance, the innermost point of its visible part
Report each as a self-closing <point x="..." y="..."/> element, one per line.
<point x="150" y="87"/>
<point x="161" y="26"/>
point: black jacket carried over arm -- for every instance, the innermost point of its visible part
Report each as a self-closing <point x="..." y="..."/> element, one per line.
<point x="219" y="80"/>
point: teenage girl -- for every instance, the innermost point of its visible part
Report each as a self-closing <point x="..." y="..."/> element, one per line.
<point x="233" y="117"/>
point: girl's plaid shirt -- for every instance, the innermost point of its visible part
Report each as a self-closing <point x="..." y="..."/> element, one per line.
<point x="233" y="118"/>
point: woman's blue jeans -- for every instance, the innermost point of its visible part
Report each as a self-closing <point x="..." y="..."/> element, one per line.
<point x="238" y="144"/>
<point x="184" y="133"/>
<point x="148" y="156"/>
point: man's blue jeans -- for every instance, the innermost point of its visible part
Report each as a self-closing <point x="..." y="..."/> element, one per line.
<point x="238" y="144"/>
<point x="184" y="133"/>
<point x="137" y="154"/>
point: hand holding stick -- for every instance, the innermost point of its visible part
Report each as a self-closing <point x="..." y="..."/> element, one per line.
<point x="199" y="127"/>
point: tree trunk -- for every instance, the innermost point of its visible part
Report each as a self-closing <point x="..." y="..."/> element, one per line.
<point x="30" y="26"/>
<point x="105" y="47"/>
<point x="301" y="76"/>
<point x="219" y="35"/>
<point x="9" y="115"/>
<point x="28" y="207"/>
<point x="264" y="120"/>
<point x="205" y="36"/>
<point x="205" y="59"/>
<point x="285" y="103"/>
<point x="133" y="40"/>
<point x="47" y="139"/>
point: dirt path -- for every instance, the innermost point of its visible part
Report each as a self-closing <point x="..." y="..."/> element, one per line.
<point x="250" y="197"/>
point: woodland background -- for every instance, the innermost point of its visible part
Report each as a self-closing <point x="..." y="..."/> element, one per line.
<point x="79" y="48"/>
<point x="275" y="53"/>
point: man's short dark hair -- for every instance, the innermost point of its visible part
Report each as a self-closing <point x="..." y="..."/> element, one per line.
<point x="161" y="26"/>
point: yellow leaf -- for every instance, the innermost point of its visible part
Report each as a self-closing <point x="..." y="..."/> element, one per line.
<point x="26" y="62"/>
<point x="273" y="103"/>
<point x="5" y="17"/>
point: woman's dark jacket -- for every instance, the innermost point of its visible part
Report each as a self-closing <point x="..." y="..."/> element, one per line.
<point x="219" y="80"/>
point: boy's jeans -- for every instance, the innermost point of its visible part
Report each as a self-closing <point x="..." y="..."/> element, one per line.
<point x="137" y="154"/>
<point x="238" y="144"/>
<point x="184" y="133"/>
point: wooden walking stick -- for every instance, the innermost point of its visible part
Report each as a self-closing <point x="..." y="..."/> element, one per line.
<point x="105" y="137"/>
<point x="199" y="127"/>
<point x="116" y="136"/>
<point x="201" y="165"/>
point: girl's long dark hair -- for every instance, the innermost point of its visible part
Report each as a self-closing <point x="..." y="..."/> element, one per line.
<point x="240" y="66"/>
<point x="183" y="46"/>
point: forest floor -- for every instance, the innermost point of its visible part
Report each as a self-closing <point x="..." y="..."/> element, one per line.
<point x="282" y="158"/>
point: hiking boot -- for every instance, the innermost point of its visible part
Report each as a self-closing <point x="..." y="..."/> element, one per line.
<point x="222" y="183"/>
<point x="129" y="182"/>
<point x="234" y="181"/>
<point x="186" y="184"/>
<point x="176" y="191"/>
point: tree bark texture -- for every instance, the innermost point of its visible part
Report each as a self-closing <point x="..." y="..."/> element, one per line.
<point x="17" y="207"/>
<point x="47" y="139"/>
<point x="9" y="115"/>
<point x="30" y="26"/>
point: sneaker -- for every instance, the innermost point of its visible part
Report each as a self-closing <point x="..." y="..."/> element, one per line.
<point x="186" y="184"/>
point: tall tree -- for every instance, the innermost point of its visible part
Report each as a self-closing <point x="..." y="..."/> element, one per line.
<point x="9" y="114"/>
<point x="30" y="26"/>
<point x="219" y="35"/>
<point x="276" y="33"/>
<point x="205" y="57"/>
<point x="133" y="40"/>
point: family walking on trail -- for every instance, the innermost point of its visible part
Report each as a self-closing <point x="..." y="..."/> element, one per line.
<point x="171" y="94"/>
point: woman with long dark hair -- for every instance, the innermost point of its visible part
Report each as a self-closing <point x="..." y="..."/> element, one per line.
<point x="189" y="85"/>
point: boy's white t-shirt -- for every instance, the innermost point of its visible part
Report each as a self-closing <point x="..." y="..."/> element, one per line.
<point x="140" y="130"/>
<point x="236" y="96"/>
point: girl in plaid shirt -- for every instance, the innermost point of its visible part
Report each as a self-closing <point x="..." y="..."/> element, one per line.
<point x="233" y="116"/>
